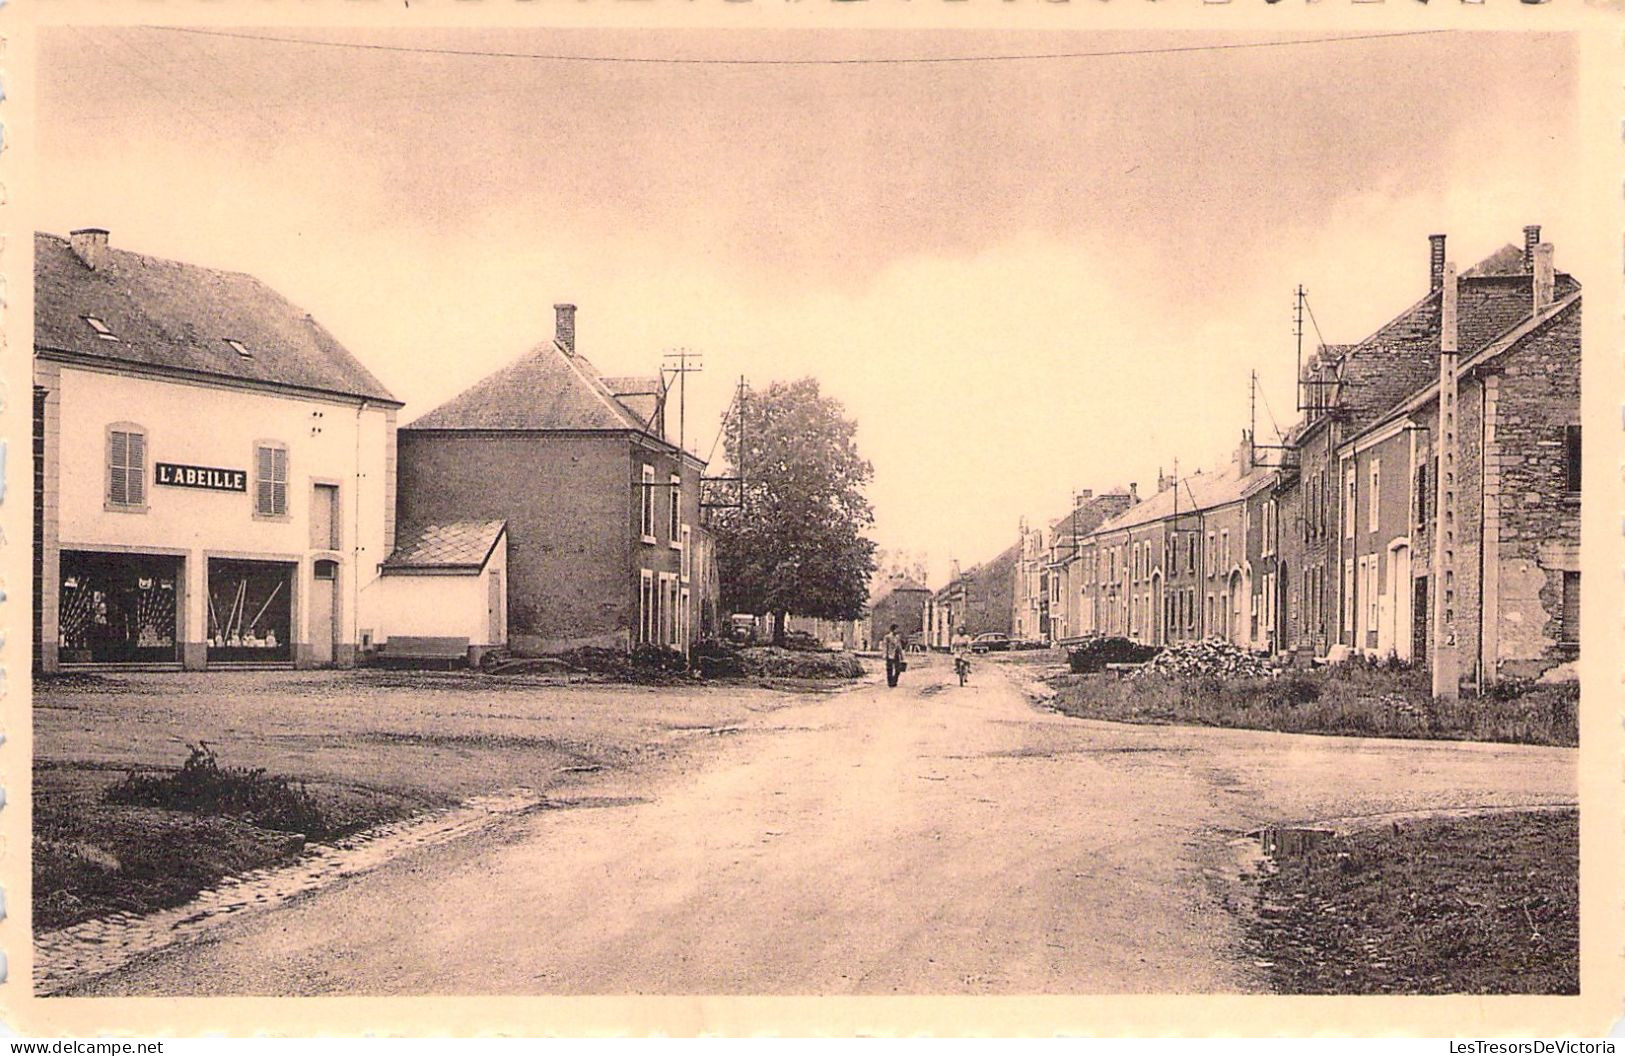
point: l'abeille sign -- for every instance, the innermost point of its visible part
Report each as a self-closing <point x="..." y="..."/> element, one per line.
<point x="205" y="477"/>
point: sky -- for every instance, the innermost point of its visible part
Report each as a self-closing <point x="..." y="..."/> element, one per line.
<point x="1021" y="278"/>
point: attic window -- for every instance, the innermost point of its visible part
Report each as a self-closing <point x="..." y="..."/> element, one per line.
<point x="238" y="347"/>
<point x="103" y="331"/>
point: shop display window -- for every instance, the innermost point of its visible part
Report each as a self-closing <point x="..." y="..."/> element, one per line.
<point x="118" y="608"/>
<point x="250" y="611"/>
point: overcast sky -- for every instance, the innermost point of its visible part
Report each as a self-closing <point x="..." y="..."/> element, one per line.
<point x="1020" y="277"/>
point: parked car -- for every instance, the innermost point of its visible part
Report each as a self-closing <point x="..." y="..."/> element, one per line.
<point x="990" y="642"/>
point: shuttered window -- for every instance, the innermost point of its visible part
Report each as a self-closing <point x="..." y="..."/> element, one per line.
<point x="271" y="480"/>
<point x="126" y="467"/>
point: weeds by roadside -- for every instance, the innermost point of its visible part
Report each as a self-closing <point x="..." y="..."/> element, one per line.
<point x="1486" y="905"/>
<point x="203" y="786"/>
<point x="1350" y="700"/>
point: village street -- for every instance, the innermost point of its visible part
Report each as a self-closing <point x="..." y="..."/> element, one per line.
<point x="928" y="839"/>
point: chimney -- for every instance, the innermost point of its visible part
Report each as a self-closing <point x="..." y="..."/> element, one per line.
<point x="564" y="316"/>
<point x="1244" y="453"/>
<point x="1133" y="492"/>
<point x="89" y="244"/>
<point x="1531" y="239"/>
<point x="1163" y="482"/>
<point x="1435" y="262"/>
<point x="1083" y="496"/>
<point x="1545" y="277"/>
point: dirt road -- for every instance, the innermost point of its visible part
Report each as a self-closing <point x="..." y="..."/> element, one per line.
<point x="927" y="839"/>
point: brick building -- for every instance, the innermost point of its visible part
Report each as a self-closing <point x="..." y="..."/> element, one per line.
<point x="602" y="511"/>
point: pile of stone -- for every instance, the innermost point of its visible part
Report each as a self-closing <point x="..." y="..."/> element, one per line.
<point x="1208" y="658"/>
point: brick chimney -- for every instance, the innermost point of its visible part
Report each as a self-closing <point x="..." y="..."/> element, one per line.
<point x="1244" y="453"/>
<point x="1133" y="492"/>
<point x="1164" y="482"/>
<point x="1435" y="261"/>
<point x="1545" y="277"/>
<point x="1531" y="239"/>
<point x="89" y="244"/>
<point x="1083" y="496"/>
<point x="564" y="323"/>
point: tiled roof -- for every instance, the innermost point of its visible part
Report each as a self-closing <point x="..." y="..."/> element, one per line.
<point x="179" y="317"/>
<point x="546" y="389"/>
<point x="456" y="544"/>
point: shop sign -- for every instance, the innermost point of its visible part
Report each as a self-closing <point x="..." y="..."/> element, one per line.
<point x="207" y="477"/>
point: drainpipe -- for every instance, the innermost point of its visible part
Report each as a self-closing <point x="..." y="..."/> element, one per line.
<point x="355" y="533"/>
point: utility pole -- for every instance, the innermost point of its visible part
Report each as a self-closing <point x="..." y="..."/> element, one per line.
<point x="687" y="362"/>
<point x="1446" y="661"/>
<point x="1297" y="332"/>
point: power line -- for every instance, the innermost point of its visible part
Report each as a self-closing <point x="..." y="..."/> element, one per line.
<point x="905" y="60"/>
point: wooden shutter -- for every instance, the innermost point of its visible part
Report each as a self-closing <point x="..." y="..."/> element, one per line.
<point x="279" y="480"/>
<point x="1571" y="606"/>
<point x="118" y="454"/>
<point x="126" y="468"/>
<point x="264" y="492"/>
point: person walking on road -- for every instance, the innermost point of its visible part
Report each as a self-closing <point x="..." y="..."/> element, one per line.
<point x="892" y="647"/>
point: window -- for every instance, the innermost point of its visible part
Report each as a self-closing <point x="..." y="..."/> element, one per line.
<point x="674" y="525"/>
<point x="127" y="467"/>
<point x="324" y="517"/>
<point x="688" y="553"/>
<point x="1422" y="495"/>
<point x="238" y="347"/>
<point x="1190" y="553"/>
<point x="683" y="631"/>
<point x="270" y="480"/>
<point x="1224" y="548"/>
<point x="1571" y="607"/>
<point x="1207" y="557"/>
<point x="102" y="330"/>
<point x="1571" y="458"/>
<point x="646" y="605"/>
<point x="1348" y="504"/>
<point x="1376" y="491"/>
<point x="1368" y="585"/>
<point x="646" y="521"/>
<point x="1348" y="601"/>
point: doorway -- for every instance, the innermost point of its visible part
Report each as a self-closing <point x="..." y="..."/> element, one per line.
<point x="1400" y="586"/>
<point x="323" y="614"/>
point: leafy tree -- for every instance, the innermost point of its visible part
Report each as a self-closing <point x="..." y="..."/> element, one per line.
<point x="795" y="543"/>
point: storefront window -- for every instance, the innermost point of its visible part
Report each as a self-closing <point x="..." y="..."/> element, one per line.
<point x="118" y="608"/>
<point x="250" y="610"/>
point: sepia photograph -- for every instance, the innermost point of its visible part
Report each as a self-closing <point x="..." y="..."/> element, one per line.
<point x="816" y="512"/>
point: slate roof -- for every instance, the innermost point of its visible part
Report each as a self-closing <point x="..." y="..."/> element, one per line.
<point x="447" y="546"/>
<point x="175" y="317"/>
<point x="546" y="389"/>
<point x="1199" y="491"/>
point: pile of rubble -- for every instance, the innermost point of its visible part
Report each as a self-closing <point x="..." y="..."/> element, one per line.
<point x="1209" y="658"/>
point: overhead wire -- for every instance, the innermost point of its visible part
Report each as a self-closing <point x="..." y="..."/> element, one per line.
<point x="899" y="60"/>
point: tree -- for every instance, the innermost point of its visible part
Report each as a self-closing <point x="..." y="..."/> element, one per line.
<point x="795" y="543"/>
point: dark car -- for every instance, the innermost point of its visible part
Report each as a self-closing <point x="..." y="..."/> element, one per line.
<point x="991" y="642"/>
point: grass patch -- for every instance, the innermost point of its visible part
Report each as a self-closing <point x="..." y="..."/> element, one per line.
<point x="1350" y="700"/>
<point x="1485" y="905"/>
<point x="151" y="841"/>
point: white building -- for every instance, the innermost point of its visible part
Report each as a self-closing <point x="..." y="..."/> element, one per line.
<point x="214" y="474"/>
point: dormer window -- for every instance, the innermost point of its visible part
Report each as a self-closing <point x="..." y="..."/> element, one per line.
<point x="103" y="331"/>
<point x="238" y="347"/>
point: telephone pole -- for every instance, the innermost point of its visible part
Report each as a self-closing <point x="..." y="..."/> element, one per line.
<point x="1446" y="661"/>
